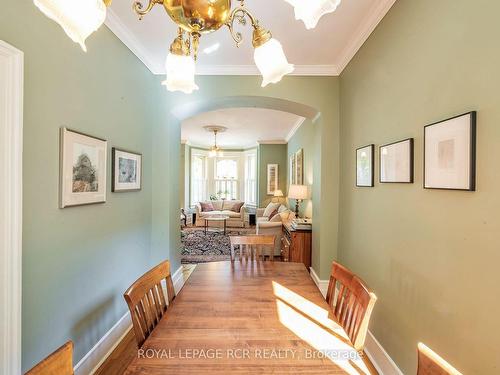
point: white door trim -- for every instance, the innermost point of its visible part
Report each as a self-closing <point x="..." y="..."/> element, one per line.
<point x="11" y="146"/>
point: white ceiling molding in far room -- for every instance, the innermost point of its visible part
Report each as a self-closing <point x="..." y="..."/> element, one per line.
<point x="346" y="30"/>
<point x="246" y="127"/>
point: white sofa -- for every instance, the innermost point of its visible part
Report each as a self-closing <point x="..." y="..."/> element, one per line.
<point x="222" y="207"/>
<point x="273" y="226"/>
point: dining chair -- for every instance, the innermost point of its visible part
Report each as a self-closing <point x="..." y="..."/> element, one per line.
<point x="60" y="362"/>
<point x="352" y="303"/>
<point x="252" y="245"/>
<point x="430" y="363"/>
<point x="147" y="301"/>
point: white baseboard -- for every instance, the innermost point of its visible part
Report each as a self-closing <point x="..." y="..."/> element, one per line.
<point x="378" y="356"/>
<point x="89" y="364"/>
<point x="321" y="284"/>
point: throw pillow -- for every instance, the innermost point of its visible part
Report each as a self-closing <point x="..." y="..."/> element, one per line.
<point x="237" y="206"/>
<point x="282" y="209"/>
<point x="275" y="218"/>
<point x="273" y="214"/>
<point x="270" y="209"/>
<point x="206" y="206"/>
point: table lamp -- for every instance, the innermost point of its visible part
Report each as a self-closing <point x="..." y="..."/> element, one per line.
<point x="299" y="193"/>
<point x="278" y="194"/>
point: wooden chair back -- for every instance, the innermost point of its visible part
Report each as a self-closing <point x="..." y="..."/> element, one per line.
<point x="60" y="362"/>
<point x="430" y="363"/>
<point x="252" y="245"/>
<point x="352" y="303"/>
<point x="147" y="302"/>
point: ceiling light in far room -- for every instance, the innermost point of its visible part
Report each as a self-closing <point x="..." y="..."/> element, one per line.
<point x="180" y="66"/>
<point x="311" y="11"/>
<point x="215" y="151"/>
<point x="78" y="18"/>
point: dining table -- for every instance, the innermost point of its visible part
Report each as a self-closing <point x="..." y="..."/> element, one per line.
<point x="249" y="317"/>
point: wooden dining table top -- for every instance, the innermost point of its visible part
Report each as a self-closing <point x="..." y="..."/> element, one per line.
<point x="248" y="317"/>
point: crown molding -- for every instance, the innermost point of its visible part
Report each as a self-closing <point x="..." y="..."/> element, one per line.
<point x="123" y="33"/>
<point x="365" y="29"/>
<point x="273" y="142"/>
<point x="251" y="70"/>
<point x="296" y="127"/>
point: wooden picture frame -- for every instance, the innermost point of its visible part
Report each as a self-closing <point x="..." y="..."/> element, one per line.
<point x="272" y="178"/>
<point x="396" y="162"/>
<point x="365" y="166"/>
<point x="82" y="174"/>
<point x="126" y="171"/>
<point x="450" y="153"/>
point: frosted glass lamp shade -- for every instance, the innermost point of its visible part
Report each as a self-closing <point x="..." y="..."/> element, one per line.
<point x="311" y="11"/>
<point x="272" y="62"/>
<point x="78" y="18"/>
<point x="180" y="74"/>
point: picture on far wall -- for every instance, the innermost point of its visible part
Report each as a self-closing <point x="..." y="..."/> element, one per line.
<point x="293" y="170"/>
<point x="126" y="171"/>
<point x="299" y="165"/>
<point x="272" y="178"/>
<point x="450" y="153"/>
<point x="82" y="169"/>
<point x="365" y="166"/>
<point x="396" y="162"/>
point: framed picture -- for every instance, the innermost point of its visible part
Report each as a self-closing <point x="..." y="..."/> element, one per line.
<point x="450" y="153"/>
<point x="293" y="170"/>
<point x="396" y="162"/>
<point x="126" y="171"/>
<point x="272" y="178"/>
<point x="82" y="169"/>
<point x="299" y="165"/>
<point x="365" y="166"/>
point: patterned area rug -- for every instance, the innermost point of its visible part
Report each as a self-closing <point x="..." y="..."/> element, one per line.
<point x="198" y="247"/>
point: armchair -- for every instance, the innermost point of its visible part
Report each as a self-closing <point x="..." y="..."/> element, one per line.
<point x="273" y="226"/>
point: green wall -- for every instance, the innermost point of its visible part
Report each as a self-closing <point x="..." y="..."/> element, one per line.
<point x="431" y="256"/>
<point x="305" y="138"/>
<point x="78" y="261"/>
<point x="271" y="154"/>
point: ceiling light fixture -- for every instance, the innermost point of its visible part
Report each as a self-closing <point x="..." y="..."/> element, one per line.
<point x="79" y="18"/>
<point x="215" y="151"/>
<point x="311" y="11"/>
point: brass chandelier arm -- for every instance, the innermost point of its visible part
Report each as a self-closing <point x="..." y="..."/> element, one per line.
<point x="238" y="14"/>
<point x="138" y="7"/>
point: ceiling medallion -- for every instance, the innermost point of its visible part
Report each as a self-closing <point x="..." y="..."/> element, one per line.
<point x="80" y="18"/>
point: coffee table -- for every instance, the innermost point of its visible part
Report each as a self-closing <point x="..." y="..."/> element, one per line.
<point x="216" y="219"/>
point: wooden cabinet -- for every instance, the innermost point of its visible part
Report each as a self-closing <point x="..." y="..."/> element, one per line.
<point x="296" y="245"/>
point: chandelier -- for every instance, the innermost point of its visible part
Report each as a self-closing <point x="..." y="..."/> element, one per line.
<point x="194" y="18"/>
<point x="215" y="151"/>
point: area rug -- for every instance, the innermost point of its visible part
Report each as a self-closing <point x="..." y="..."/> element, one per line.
<point x="198" y="247"/>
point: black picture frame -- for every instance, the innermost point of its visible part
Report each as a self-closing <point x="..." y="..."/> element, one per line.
<point x="411" y="162"/>
<point x="114" y="188"/>
<point x="372" y="166"/>
<point x="472" y="153"/>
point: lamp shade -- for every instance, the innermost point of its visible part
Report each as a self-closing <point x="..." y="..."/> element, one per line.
<point x="278" y="193"/>
<point x="78" y="18"/>
<point x="298" y="192"/>
<point x="272" y="62"/>
<point x="180" y="74"/>
<point x="311" y="11"/>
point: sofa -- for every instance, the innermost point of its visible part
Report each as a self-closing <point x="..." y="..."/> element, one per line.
<point x="222" y="207"/>
<point x="267" y="225"/>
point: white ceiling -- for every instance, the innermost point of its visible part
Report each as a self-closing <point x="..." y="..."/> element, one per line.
<point x="247" y="127"/>
<point x="326" y="50"/>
